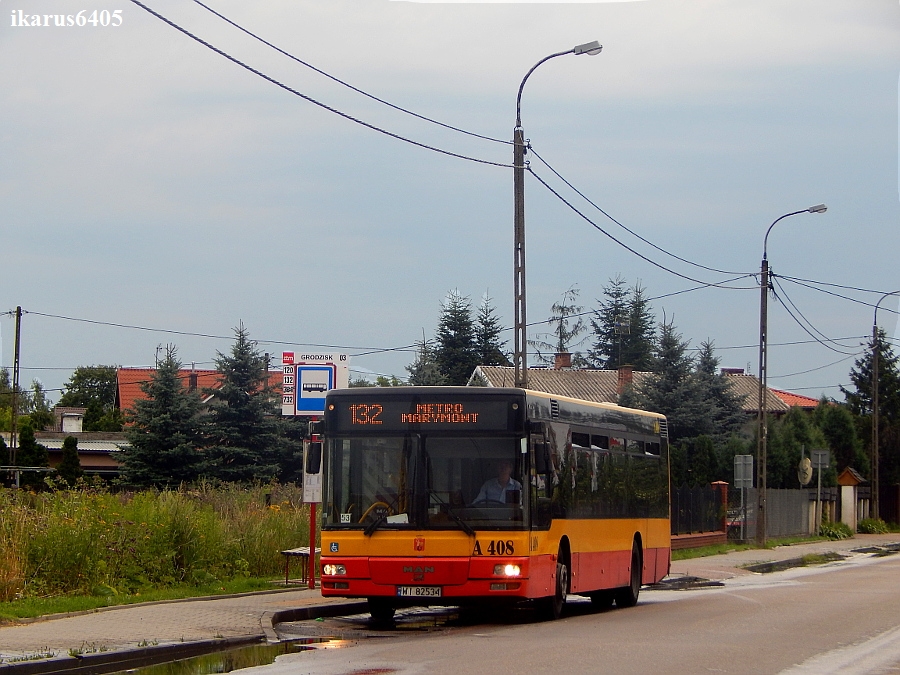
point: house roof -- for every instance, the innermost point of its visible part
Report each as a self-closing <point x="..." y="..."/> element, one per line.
<point x="590" y="385"/>
<point x="798" y="400"/>
<point x="748" y="387"/>
<point x="602" y="385"/>
<point x="129" y="380"/>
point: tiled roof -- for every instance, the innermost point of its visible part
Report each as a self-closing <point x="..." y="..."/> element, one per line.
<point x="798" y="400"/>
<point x="129" y="383"/>
<point x="589" y="385"/>
<point x="601" y="385"/>
<point x="748" y="387"/>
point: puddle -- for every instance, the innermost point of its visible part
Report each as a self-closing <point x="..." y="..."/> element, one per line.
<point x="232" y="659"/>
<point x="781" y="565"/>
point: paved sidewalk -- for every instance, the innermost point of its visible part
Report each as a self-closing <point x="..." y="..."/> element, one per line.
<point x="730" y="565"/>
<point x="135" y="626"/>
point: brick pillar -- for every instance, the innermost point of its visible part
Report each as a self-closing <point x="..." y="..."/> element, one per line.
<point x="722" y="487"/>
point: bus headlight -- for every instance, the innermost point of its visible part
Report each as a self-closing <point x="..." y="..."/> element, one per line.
<point x="332" y="570"/>
<point x="507" y="570"/>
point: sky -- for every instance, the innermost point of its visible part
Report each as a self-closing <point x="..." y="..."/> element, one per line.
<point x="154" y="192"/>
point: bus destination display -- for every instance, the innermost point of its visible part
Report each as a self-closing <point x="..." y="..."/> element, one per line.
<point x="387" y="415"/>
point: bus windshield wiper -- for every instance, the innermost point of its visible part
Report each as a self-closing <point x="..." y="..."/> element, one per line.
<point x="375" y="524"/>
<point x="459" y="521"/>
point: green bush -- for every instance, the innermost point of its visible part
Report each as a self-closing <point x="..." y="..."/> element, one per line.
<point x="872" y="526"/>
<point x="88" y="540"/>
<point x="835" y="530"/>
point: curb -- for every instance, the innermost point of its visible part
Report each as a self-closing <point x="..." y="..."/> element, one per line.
<point x="148" y="603"/>
<point x="113" y="662"/>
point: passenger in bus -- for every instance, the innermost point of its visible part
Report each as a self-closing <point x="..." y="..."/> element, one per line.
<point x="496" y="489"/>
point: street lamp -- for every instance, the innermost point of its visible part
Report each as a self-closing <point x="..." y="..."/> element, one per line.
<point x="875" y="358"/>
<point x="763" y="330"/>
<point x="519" y="354"/>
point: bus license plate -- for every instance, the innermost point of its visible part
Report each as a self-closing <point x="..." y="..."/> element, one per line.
<point x="419" y="591"/>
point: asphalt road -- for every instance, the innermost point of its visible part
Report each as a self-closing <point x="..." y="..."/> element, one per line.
<point x="843" y="617"/>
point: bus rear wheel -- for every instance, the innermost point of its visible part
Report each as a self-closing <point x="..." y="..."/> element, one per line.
<point x="552" y="608"/>
<point x="628" y="595"/>
<point x="381" y="609"/>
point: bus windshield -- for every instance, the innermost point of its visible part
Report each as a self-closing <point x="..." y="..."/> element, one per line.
<point x="426" y="480"/>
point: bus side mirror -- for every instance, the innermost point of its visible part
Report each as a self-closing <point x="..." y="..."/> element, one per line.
<point x="315" y="428"/>
<point x="314" y="457"/>
<point x="541" y="458"/>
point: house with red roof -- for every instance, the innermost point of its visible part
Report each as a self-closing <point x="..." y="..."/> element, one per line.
<point x="129" y="381"/>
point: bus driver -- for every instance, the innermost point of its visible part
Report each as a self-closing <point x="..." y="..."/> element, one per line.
<point x="495" y="489"/>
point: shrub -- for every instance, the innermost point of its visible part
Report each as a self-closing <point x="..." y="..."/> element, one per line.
<point x="835" y="530"/>
<point x="88" y="540"/>
<point x="872" y="526"/>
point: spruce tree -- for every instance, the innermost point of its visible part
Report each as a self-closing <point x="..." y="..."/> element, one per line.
<point x="489" y="347"/>
<point x="241" y="429"/>
<point x="672" y="389"/>
<point x="31" y="453"/>
<point x="164" y="431"/>
<point x="624" y="328"/>
<point x="456" y="352"/>
<point x="860" y="402"/>
<point x="69" y="468"/>
<point x="724" y="407"/>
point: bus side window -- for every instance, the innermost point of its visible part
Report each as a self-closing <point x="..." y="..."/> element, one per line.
<point x="652" y="449"/>
<point x="616" y="444"/>
<point x="600" y="442"/>
<point x="635" y="446"/>
<point x="581" y="440"/>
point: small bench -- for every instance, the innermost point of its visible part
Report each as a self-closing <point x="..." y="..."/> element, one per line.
<point x="300" y="552"/>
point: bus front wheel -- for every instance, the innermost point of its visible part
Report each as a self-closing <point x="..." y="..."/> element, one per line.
<point x="628" y="595"/>
<point x="381" y="609"/>
<point x="552" y="608"/>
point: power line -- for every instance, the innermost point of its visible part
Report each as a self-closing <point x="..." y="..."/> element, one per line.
<point x="309" y="99"/>
<point x="373" y="350"/>
<point x="799" y="282"/>
<point x="808" y="322"/>
<point x="624" y="227"/>
<point x="812" y="370"/>
<point x="627" y="247"/>
<point x="805" y="329"/>
<point x="346" y="84"/>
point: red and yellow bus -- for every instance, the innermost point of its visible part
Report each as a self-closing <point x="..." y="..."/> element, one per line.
<point x="449" y="495"/>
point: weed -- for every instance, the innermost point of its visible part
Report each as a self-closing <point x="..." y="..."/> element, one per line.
<point x="88" y="648"/>
<point x="45" y="653"/>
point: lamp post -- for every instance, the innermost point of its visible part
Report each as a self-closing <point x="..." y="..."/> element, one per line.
<point x="519" y="354"/>
<point x="876" y="352"/>
<point x="762" y="431"/>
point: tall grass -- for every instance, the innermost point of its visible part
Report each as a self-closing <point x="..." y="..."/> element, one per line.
<point x="92" y="541"/>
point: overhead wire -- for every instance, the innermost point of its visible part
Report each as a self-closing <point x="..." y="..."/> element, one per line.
<point x="805" y="329"/>
<point x="348" y="85"/>
<point x="812" y="370"/>
<point x="629" y="248"/>
<point x="624" y="227"/>
<point x="837" y="295"/>
<point x="310" y="99"/>
<point x="373" y="350"/>
<point x="784" y="294"/>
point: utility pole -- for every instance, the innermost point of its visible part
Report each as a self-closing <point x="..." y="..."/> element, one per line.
<point x="14" y="422"/>
<point x="762" y="431"/>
